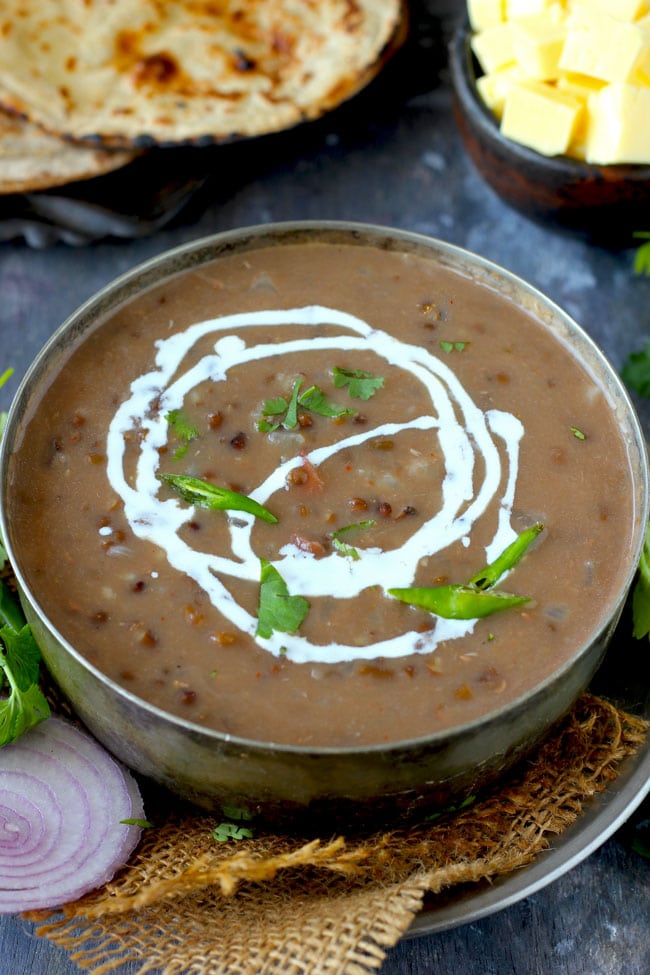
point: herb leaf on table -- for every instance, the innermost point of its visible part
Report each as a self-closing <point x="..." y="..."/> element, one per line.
<point x="22" y="703"/>
<point x="635" y="373"/>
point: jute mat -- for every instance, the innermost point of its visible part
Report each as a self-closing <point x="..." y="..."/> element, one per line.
<point x="334" y="906"/>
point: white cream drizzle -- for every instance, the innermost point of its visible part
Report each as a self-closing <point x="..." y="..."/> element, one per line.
<point x="463" y="431"/>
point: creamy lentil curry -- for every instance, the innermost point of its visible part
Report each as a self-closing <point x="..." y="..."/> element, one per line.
<point x="399" y="425"/>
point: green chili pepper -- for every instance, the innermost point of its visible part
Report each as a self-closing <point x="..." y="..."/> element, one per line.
<point x="458" y="602"/>
<point x="491" y="574"/>
<point x="476" y="599"/>
<point x="206" y="495"/>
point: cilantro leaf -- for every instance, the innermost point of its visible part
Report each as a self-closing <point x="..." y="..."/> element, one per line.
<point x="11" y="614"/>
<point x="641" y="594"/>
<point x="342" y="546"/>
<point x="231" y="831"/>
<point x="181" y="426"/>
<point x="21" y="656"/>
<point x="278" y="610"/>
<point x="272" y="407"/>
<point x="183" y="429"/>
<point x="636" y="371"/>
<point x="315" y="400"/>
<point x="22" y="703"/>
<point x="20" y="710"/>
<point x="361" y="385"/>
<point x="275" y="407"/>
<point x="291" y="419"/>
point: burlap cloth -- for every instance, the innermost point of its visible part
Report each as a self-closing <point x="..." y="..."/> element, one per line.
<point x="187" y="903"/>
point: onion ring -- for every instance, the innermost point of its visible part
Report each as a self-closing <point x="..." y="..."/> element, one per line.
<point x="62" y="799"/>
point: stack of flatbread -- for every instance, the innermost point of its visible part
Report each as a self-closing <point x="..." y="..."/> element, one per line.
<point x="87" y="84"/>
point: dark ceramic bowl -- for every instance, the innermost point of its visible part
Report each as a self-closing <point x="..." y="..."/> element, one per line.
<point x="607" y="204"/>
<point x="300" y="784"/>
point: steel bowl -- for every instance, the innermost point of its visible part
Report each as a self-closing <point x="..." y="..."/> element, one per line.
<point x="308" y="786"/>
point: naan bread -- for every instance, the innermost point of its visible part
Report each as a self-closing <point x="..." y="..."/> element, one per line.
<point x="30" y="159"/>
<point x="138" y="72"/>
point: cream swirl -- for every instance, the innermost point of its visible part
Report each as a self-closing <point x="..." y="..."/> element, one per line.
<point x="463" y="431"/>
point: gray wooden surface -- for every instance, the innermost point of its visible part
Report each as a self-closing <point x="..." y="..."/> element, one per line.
<point x="392" y="156"/>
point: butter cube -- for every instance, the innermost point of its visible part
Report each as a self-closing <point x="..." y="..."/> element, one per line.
<point x="493" y="47"/>
<point x="620" y="9"/>
<point x="493" y="88"/>
<point x="485" y="13"/>
<point x="527" y="8"/>
<point x="581" y="86"/>
<point x="617" y="127"/>
<point x="537" y="115"/>
<point x="602" y="46"/>
<point x="538" y="42"/>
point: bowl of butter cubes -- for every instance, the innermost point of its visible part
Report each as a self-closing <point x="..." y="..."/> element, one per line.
<point x="552" y="100"/>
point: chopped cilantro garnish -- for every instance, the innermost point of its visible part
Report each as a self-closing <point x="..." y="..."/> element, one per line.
<point x="452" y="346"/>
<point x="183" y="429"/>
<point x="278" y="610"/>
<point x="578" y="434"/>
<point x="361" y="385"/>
<point x="341" y="546"/>
<point x="313" y="400"/>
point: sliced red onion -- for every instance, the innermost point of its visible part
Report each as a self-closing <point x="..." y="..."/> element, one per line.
<point x="62" y="799"/>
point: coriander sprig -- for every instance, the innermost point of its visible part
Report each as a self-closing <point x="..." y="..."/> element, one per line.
<point x="361" y="385"/>
<point x="22" y="703"/>
<point x="279" y="412"/>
